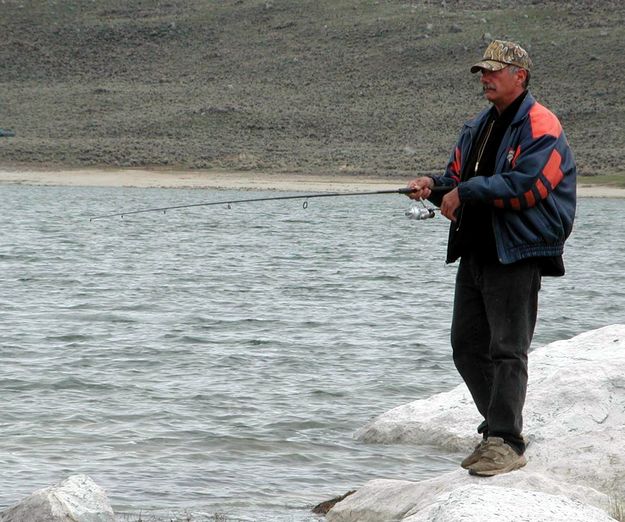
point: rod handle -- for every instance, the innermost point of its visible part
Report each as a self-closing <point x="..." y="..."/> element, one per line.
<point x="434" y="190"/>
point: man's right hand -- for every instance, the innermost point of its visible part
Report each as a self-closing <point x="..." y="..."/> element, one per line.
<point x="420" y="187"/>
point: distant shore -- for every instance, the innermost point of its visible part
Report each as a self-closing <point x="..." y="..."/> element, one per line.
<point x="143" y="178"/>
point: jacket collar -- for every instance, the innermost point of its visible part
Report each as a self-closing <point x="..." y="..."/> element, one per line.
<point x="521" y="114"/>
<point x="524" y="109"/>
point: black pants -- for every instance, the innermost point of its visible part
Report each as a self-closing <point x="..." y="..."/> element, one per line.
<point x="494" y="317"/>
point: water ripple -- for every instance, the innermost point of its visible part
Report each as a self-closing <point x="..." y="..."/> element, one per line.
<point x="219" y="361"/>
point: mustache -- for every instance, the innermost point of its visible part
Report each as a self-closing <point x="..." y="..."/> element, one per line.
<point x="488" y="87"/>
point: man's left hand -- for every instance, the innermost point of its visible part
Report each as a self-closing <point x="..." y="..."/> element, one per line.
<point x="451" y="203"/>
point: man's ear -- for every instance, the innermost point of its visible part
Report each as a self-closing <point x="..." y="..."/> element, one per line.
<point x="522" y="75"/>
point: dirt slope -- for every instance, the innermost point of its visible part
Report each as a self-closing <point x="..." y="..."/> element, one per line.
<point x="376" y="87"/>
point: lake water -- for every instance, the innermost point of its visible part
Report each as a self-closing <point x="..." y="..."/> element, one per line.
<point x="218" y="361"/>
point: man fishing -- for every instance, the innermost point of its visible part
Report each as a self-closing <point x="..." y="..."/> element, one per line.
<point x="511" y="202"/>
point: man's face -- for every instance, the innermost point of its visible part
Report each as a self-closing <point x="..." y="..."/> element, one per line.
<point x="503" y="86"/>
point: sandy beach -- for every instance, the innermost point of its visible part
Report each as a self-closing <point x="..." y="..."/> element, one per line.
<point x="196" y="179"/>
<point x="143" y="178"/>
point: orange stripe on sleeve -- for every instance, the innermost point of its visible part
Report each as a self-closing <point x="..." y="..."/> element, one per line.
<point x="515" y="203"/>
<point x="543" y="122"/>
<point x="542" y="190"/>
<point x="455" y="166"/>
<point x="530" y="199"/>
<point x="552" y="170"/>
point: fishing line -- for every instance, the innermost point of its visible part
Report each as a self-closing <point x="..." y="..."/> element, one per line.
<point x="423" y="212"/>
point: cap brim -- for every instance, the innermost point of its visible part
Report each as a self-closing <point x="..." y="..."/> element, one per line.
<point x="488" y="65"/>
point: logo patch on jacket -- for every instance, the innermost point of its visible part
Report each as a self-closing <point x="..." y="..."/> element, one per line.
<point x="510" y="155"/>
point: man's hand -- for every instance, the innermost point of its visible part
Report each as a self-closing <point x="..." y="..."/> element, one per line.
<point x="451" y="203"/>
<point x="421" y="187"/>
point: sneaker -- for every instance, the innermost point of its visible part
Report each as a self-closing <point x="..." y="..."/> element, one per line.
<point x="474" y="457"/>
<point x="496" y="457"/>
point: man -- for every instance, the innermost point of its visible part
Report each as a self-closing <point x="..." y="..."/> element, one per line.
<point x="511" y="202"/>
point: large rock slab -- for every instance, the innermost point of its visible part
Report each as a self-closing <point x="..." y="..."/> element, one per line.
<point x="76" y="499"/>
<point x="495" y="504"/>
<point x="395" y="500"/>
<point x="574" y="415"/>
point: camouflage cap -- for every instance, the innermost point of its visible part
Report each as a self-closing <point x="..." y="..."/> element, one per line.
<point x="500" y="54"/>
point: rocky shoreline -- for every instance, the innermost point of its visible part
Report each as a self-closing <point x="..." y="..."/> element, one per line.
<point x="573" y="418"/>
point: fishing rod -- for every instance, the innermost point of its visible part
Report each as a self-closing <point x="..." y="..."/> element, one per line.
<point x="423" y="212"/>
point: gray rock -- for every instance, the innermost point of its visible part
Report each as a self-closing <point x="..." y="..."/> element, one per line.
<point x="76" y="499"/>
<point x="574" y="416"/>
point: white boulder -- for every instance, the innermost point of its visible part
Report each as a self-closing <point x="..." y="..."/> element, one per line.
<point x="495" y="504"/>
<point x="574" y="416"/>
<point x="76" y="499"/>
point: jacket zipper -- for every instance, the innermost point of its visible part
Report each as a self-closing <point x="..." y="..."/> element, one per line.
<point x="480" y="152"/>
<point x="483" y="145"/>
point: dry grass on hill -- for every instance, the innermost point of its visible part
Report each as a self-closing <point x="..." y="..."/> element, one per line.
<point x="352" y="86"/>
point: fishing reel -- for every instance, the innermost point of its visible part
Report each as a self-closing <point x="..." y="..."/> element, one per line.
<point x="420" y="212"/>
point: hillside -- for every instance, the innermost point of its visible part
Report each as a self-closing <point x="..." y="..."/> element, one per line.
<point x="356" y="86"/>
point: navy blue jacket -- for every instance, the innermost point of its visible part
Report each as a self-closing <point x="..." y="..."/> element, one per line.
<point x="533" y="189"/>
